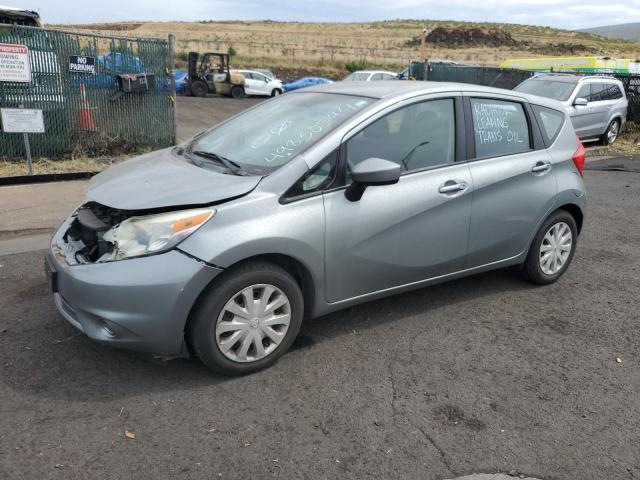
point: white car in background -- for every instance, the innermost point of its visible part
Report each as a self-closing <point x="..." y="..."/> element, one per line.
<point x="370" y="76"/>
<point x="256" y="83"/>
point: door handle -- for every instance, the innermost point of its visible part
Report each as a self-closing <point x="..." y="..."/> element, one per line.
<point x="541" y="167"/>
<point x="452" y="186"/>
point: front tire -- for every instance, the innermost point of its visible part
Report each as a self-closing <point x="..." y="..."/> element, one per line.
<point x="611" y="133"/>
<point x="247" y="319"/>
<point x="552" y="249"/>
<point x="275" y="92"/>
<point x="237" y="92"/>
<point x="199" y="88"/>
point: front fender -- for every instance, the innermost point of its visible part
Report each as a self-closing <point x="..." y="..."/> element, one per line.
<point x="259" y="225"/>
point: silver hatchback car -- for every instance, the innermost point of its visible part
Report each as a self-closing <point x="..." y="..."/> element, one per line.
<point x="313" y="202"/>
<point x="597" y="105"/>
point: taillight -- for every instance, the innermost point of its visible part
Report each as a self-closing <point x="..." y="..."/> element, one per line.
<point x="579" y="157"/>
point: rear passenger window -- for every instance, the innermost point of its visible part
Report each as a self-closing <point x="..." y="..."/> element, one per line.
<point x="376" y="76"/>
<point x="612" y="92"/>
<point x="500" y="128"/>
<point x="551" y="122"/>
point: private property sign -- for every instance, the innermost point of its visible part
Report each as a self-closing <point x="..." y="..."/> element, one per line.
<point x="14" y="63"/>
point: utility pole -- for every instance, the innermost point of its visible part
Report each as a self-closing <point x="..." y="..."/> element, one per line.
<point x="423" y="43"/>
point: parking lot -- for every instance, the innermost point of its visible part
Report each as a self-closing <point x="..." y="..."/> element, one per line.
<point x="484" y="374"/>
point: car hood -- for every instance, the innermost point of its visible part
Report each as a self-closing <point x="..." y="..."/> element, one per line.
<point x="160" y="179"/>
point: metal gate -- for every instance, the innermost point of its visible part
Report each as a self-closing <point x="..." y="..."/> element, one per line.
<point x="99" y="95"/>
<point x="489" y="76"/>
<point x="632" y="88"/>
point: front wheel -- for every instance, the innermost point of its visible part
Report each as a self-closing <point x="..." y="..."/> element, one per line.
<point x="237" y="92"/>
<point x="552" y="249"/>
<point x="199" y="88"/>
<point x="611" y="133"/>
<point x="275" y="92"/>
<point x="248" y="319"/>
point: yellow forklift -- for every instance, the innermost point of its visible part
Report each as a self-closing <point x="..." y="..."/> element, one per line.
<point x="209" y="73"/>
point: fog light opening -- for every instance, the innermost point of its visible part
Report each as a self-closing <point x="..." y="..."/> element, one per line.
<point x="108" y="331"/>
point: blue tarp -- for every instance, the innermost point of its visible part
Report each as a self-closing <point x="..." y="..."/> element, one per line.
<point x="305" y="82"/>
<point x="181" y="80"/>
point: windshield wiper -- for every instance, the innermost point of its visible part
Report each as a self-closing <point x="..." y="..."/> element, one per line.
<point x="230" y="165"/>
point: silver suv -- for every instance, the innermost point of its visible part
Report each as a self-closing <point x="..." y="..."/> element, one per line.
<point x="312" y="202"/>
<point x="597" y="105"/>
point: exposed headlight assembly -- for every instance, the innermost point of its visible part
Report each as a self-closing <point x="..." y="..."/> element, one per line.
<point x="149" y="234"/>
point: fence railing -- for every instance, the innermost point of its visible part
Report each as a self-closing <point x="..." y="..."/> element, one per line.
<point x="121" y="100"/>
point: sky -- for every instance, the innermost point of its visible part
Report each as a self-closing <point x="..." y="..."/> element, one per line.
<point x="569" y="14"/>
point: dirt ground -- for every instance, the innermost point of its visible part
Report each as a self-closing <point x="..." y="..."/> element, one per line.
<point x="484" y="374"/>
<point x="197" y="114"/>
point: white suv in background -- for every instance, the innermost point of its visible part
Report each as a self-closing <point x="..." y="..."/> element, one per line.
<point x="597" y="105"/>
<point x="257" y="83"/>
<point x="370" y="76"/>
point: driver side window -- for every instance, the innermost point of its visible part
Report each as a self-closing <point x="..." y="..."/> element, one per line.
<point x="417" y="136"/>
<point x="585" y="92"/>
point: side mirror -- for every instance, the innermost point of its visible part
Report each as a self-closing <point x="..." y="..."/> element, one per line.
<point x="580" y="102"/>
<point x="371" y="172"/>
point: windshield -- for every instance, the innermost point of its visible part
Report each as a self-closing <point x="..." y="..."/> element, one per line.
<point x="555" y="89"/>
<point x="270" y="135"/>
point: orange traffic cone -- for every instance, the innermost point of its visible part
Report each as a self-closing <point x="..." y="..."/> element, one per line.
<point x="85" y="120"/>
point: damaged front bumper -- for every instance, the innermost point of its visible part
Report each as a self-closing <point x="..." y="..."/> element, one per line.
<point x="140" y="304"/>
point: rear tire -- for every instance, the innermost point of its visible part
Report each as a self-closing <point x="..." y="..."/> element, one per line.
<point x="237" y="92"/>
<point x="199" y="88"/>
<point x="611" y="133"/>
<point x="552" y="249"/>
<point x="229" y="316"/>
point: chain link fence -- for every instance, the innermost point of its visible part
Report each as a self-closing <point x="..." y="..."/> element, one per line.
<point x="117" y="97"/>
<point x="489" y="76"/>
<point x="632" y="88"/>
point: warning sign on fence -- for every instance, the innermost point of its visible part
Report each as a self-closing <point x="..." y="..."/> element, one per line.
<point x="22" y="120"/>
<point x="14" y="63"/>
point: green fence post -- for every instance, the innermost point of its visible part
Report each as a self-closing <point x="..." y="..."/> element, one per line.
<point x="172" y="59"/>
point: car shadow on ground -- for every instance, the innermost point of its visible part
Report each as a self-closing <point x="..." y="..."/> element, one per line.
<point x="49" y="358"/>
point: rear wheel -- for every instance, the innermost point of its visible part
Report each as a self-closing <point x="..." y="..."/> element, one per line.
<point x="248" y="319"/>
<point x="237" y="91"/>
<point x="611" y="134"/>
<point x="552" y="248"/>
<point x="199" y="88"/>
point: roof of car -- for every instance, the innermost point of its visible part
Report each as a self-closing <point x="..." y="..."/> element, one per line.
<point x="570" y="78"/>
<point x="401" y="87"/>
<point x="374" y="71"/>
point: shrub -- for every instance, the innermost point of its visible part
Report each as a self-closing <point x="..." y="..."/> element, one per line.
<point x="354" y="65"/>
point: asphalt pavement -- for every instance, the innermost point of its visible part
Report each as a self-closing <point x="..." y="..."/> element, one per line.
<point x="487" y="374"/>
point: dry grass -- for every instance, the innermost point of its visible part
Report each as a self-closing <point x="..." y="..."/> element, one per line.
<point x="626" y="144"/>
<point x="330" y="45"/>
<point x="14" y="168"/>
